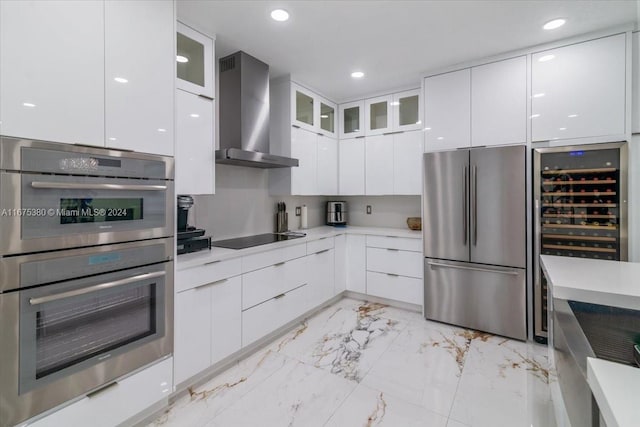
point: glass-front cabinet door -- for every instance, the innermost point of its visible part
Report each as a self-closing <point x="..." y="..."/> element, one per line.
<point x="194" y="61"/>
<point x="352" y="119"/>
<point x="377" y="113"/>
<point x="406" y="111"/>
<point x="304" y="108"/>
<point x="327" y="119"/>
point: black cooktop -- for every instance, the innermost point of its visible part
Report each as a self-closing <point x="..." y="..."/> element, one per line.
<point x="250" y="241"/>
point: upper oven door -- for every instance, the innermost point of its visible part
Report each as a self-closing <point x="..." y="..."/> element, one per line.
<point x="44" y="212"/>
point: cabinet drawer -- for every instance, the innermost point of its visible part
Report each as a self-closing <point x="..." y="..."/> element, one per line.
<point x="118" y="403"/>
<point x="265" y="318"/>
<point x="271" y="257"/>
<point x="319" y="245"/>
<point x="266" y="283"/>
<point x="402" y="243"/>
<point x="206" y="273"/>
<point x="395" y="262"/>
<point x="399" y="288"/>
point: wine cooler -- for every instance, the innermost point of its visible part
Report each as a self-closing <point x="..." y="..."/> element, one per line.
<point x="580" y="207"/>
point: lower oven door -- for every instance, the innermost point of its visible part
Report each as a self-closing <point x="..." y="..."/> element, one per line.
<point x="75" y="336"/>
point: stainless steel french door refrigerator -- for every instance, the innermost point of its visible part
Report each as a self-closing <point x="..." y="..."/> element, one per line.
<point x="474" y="222"/>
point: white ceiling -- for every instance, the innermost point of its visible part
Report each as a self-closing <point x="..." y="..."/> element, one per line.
<point x="393" y="42"/>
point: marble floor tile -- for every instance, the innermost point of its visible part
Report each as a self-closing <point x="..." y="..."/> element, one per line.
<point x="370" y="407"/>
<point x="422" y="366"/>
<point x="297" y="395"/>
<point x="345" y="339"/>
<point x="504" y="382"/>
<point x="203" y="403"/>
<point x="365" y="364"/>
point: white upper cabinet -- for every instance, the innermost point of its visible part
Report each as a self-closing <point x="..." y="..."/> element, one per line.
<point x="406" y="110"/>
<point x="379" y="164"/>
<point x="139" y="76"/>
<point x="327" y="118"/>
<point x="377" y="115"/>
<point x="194" y="157"/>
<point x="351" y="176"/>
<point x="499" y="103"/>
<point x="52" y="68"/>
<point x="407" y="163"/>
<point x="327" y="165"/>
<point x="312" y="112"/>
<point x="194" y="62"/>
<point x="578" y="91"/>
<point x="304" y="148"/>
<point x="447" y="111"/>
<point x="352" y="120"/>
<point x="635" y="121"/>
<point x="305" y="111"/>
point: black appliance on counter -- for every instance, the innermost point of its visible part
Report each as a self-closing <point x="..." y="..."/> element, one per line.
<point x="190" y="239"/>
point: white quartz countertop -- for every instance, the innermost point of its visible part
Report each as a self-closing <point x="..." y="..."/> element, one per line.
<point x="616" y="388"/>
<point x="611" y="283"/>
<point x="217" y="254"/>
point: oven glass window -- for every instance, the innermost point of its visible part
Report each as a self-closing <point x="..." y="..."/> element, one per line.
<point x="76" y="210"/>
<point x="77" y="328"/>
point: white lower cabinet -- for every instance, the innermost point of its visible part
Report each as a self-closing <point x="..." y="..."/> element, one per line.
<point x="394" y="261"/>
<point x="118" y="403"/>
<point x="395" y="287"/>
<point x="261" y="285"/>
<point x="340" y="265"/>
<point x="356" y="263"/>
<point x="321" y="268"/>
<point x="262" y="319"/>
<point x="207" y="326"/>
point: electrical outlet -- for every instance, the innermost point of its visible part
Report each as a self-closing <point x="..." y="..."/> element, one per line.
<point x="298" y="212"/>
<point x="368" y="209"/>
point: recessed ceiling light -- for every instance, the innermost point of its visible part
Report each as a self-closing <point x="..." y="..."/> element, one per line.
<point x="28" y="104"/>
<point x="120" y="79"/>
<point x="546" y="58"/>
<point x="182" y="59"/>
<point x="562" y="129"/>
<point x="440" y="138"/>
<point x="161" y="130"/>
<point x="357" y="74"/>
<point x="279" y="15"/>
<point x="112" y="139"/>
<point x="572" y="115"/>
<point x="556" y="23"/>
<point x="195" y="115"/>
<point x="533" y="116"/>
<point x="538" y="95"/>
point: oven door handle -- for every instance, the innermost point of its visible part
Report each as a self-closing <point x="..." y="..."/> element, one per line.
<point x="94" y="288"/>
<point x="76" y="186"/>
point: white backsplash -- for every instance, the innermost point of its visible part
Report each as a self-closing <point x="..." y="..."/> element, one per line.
<point x="386" y="211"/>
<point x="242" y="205"/>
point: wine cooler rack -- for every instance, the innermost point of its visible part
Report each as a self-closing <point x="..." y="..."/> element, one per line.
<point x="579" y="211"/>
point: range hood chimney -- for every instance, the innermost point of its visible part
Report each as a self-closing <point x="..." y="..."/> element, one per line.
<point x="244" y="114"/>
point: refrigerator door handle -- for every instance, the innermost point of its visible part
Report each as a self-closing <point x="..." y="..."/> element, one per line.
<point x="485" y="270"/>
<point x="465" y="200"/>
<point x="474" y="189"/>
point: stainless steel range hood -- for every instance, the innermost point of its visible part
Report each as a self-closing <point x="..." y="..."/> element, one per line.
<point x="244" y="114"/>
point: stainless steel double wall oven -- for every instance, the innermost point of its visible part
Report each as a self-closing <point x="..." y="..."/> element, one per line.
<point x="86" y="270"/>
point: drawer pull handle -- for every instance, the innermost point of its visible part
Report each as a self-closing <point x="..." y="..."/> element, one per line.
<point x="211" y="262"/>
<point x="279" y="264"/>
<point x="205" y="97"/>
<point x="321" y="252"/>
<point x="392" y="275"/>
<point x="485" y="270"/>
<point x="394" y="250"/>
<point x="211" y="283"/>
<point x="279" y="296"/>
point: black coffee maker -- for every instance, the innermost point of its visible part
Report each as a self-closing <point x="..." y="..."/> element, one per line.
<point x="190" y="239"/>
